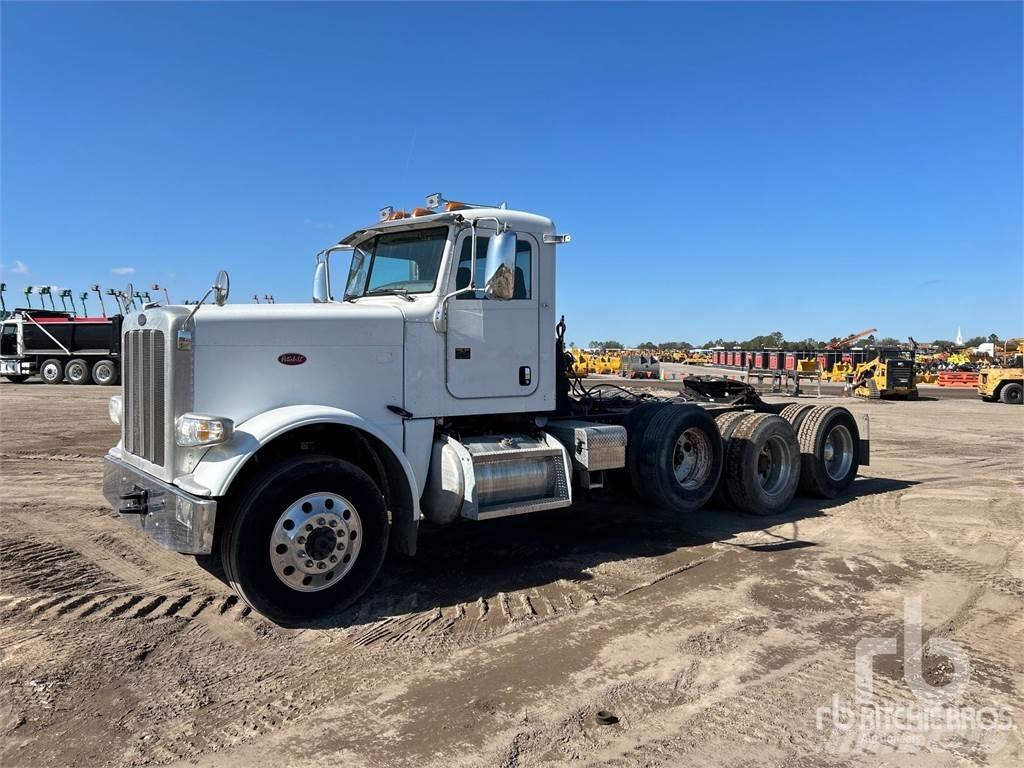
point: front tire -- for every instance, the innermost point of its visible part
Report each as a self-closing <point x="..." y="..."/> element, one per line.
<point x="306" y="539"/>
<point x="52" y="371"/>
<point x="19" y="378"/>
<point x="77" y="371"/>
<point x="1012" y="394"/>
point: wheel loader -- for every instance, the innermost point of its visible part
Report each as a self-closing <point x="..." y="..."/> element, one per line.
<point x="1004" y="384"/>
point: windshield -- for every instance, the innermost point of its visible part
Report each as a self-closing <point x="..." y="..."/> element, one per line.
<point x="397" y="262"/>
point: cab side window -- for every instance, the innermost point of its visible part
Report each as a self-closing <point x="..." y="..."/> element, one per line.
<point x="523" y="276"/>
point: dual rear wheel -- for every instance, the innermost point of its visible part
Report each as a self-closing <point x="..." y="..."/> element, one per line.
<point x="679" y="456"/>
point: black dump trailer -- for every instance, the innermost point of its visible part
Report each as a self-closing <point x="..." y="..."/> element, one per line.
<point x="59" y="346"/>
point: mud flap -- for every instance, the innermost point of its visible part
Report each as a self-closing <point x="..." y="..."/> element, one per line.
<point x="864" y="449"/>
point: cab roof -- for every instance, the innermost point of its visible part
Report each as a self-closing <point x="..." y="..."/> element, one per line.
<point x="519" y="221"/>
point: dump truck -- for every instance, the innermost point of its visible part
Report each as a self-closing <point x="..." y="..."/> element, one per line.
<point x="59" y="346"/>
<point x="298" y="443"/>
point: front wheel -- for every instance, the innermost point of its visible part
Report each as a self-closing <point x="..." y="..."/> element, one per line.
<point x="17" y="378"/>
<point x="306" y="539"/>
<point x="52" y="371"/>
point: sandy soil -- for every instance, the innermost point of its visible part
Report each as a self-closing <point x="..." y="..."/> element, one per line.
<point x="714" y="640"/>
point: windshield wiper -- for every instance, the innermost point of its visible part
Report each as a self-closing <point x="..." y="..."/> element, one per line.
<point x="403" y="292"/>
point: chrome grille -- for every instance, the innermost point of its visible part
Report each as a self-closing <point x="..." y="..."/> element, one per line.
<point x="143" y="371"/>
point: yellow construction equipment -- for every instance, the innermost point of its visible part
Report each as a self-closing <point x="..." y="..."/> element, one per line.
<point x="1004" y="383"/>
<point x="889" y="375"/>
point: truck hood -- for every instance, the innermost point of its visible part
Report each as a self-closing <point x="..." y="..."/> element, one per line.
<point x="260" y="325"/>
<point x="252" y="358"/>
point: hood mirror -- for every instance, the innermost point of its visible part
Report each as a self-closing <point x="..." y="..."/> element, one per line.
<point x="500" y="268"/>
<point x="221" y="288"/>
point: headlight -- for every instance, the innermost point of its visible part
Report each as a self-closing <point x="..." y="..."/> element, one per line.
<point x="194" y="429"/>
<point x="114" y="409"/>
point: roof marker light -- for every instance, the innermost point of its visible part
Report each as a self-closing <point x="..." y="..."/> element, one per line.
<point x="434" y="201"/>
<point x="385" y="213"/>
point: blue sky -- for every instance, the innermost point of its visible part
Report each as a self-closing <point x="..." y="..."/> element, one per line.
<point x="725" y="170"/>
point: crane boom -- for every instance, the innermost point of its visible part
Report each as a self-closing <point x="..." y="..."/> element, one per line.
<point x="850" y="339"/>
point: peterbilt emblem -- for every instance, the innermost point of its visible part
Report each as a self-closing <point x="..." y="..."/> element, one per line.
<point x="291" y="358"/>
<point x="142" y="319"/>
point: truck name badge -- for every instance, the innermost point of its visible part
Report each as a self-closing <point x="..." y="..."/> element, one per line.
<point x="291" y="358"/>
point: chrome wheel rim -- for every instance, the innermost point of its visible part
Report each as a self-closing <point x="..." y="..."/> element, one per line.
<point x="315" y="542"/>
<point x="691" y="459"/>
<point x="837" y="453"/>
<point x="103" y="372"/>
<point x="50" y="371"/>
<point x="774" y="465"/>
<point x="76" y="371"/>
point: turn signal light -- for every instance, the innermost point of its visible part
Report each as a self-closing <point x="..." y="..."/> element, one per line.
<point x="193" y="429"/>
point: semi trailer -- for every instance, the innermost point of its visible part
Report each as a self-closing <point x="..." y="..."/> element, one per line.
<point x="298" y="443"/>
<point x="57" y="345"/>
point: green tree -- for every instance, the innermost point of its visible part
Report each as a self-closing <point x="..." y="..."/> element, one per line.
<point x="647" y="345"/>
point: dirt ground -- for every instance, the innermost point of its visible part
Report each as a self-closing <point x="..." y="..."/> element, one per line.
<point x="721" y="639"/>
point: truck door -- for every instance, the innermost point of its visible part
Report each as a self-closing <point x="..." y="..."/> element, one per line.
<point x="493" y="345"/>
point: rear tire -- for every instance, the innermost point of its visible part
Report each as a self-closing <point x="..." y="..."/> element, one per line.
<point x="829" y="450"/>
<point x="52" y="371"/>
<point x="264" y="541"/>
<point x="1012" y="394"/>
<point x="636" y="424"/>
<point x="681" y="458"/>
<point x="105" y="373"/>
<point x="795" y="414"/>
<point x="762" y="465"/>
<point x="726" y="425"/>
<point x="77" y="371"/>
<point x="19" y="378"/>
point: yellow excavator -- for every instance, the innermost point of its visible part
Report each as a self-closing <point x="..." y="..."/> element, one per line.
<point x="890" y="374"/>
<point x="1004" y="383"/>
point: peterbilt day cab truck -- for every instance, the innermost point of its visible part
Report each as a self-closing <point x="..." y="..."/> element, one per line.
<point x="299" y="441"/>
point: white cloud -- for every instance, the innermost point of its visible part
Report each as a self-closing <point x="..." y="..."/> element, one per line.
<point x="20" y="268"/>
<point x="123" y="270"/>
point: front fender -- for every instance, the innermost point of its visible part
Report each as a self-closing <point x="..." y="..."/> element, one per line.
<point x="221" y="464"/>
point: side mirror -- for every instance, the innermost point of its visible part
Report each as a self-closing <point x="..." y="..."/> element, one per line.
<point x="500" y="282"/>
<point x="320" y="295"/>
<point x="221" y="287"/>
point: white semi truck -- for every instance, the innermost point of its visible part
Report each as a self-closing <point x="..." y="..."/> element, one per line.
<point x="298" y="441"/>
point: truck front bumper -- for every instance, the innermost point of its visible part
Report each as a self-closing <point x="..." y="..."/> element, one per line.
<point x="174" y="519"/>
<point x="15" y="366"/>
